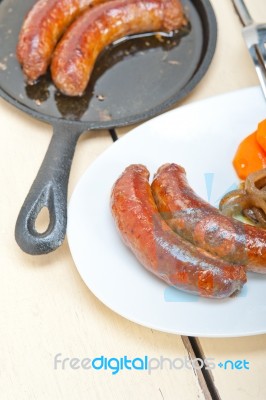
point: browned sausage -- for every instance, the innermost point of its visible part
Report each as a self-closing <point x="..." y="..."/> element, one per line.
<point x="159" y="249"/>
<point x="96" y="28"/>
<point x="203" y="225"/>
<point x="41" y="30"/>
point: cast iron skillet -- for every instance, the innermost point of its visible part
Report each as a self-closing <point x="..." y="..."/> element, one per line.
<point x="132" y="81"/>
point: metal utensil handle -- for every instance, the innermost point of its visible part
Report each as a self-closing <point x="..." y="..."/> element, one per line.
<point x="259" y="68"/>
<point x="243" y="12"/>
<point x="49" y="189"/>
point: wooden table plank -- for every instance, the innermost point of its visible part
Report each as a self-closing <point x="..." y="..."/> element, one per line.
<point x="232" y="383"/>
<point x="47" y="309"/>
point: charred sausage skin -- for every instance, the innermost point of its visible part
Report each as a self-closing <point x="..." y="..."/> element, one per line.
<point x="96" y="28"/>
<point x="42" y="28"/>
<point x="203" y="225"/>
<point x="159" y="249"/>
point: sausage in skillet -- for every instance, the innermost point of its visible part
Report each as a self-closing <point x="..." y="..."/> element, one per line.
<point x="41" y="30"/>
<point x="96" y="28"/>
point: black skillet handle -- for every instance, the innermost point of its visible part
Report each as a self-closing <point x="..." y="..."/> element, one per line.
<point x="49" y="189"/>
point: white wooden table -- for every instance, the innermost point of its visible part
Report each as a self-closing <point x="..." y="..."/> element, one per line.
<point x="46" y="308"/>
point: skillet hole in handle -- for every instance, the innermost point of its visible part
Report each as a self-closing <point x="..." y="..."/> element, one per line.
<point x="48" y="192"/>
<point x="43" y="221"/>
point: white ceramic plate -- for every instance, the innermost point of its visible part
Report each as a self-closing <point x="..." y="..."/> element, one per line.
<point x="202" y="137"/>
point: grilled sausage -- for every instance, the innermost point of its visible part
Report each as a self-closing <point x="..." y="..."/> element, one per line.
<point x="96" y="28"/>
<point x="203" y="225"/>
<point x="159" y="249"/>
<point x="41" y="30"/>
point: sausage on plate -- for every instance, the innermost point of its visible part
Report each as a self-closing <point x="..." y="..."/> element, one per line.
<point x="203" y="225"/>
<point x="96" y="28"/>
<point x="159" y="249"/>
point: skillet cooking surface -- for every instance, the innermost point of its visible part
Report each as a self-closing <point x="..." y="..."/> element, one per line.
<point x="132" y="81"/>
